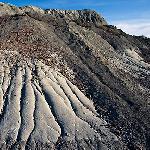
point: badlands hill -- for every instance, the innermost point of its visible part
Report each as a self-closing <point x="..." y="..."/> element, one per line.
<point x="68" y="80"/>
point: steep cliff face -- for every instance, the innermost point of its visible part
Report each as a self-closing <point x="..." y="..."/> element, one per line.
<point x="68" y="80"/>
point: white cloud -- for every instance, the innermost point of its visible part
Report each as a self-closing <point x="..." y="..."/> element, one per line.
<point x="134" y="27"/>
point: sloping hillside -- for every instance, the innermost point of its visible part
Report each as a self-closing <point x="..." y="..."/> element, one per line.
<point x="68" y="80"/>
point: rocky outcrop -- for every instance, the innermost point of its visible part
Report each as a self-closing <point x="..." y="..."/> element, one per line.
<point x="68" y="80"/>
<point x="88" y="16"/>
<point x="6" y="9"/>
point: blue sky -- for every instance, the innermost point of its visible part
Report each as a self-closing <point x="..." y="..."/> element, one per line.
<point x="133" y="16"/>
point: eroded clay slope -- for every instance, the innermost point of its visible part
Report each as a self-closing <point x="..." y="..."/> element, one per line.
<point x="43" y="106"/>
<point x="40" y="107"/>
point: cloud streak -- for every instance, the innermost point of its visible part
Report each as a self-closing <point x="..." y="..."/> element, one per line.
<point x="135" y="27"/>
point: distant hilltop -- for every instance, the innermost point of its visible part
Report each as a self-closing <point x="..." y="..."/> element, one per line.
<point x="84" y="15"/>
